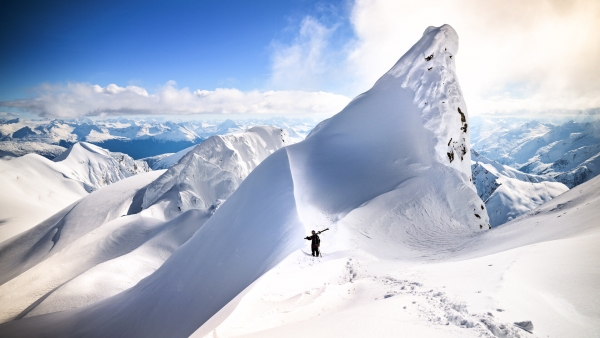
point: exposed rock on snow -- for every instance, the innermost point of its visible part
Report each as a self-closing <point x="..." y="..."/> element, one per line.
<point x="507" y="192"/>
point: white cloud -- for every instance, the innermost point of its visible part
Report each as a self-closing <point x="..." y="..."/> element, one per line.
<point x="535" y="56"/>
<point x="84" y="99"/>
<point x="301" y="64"/>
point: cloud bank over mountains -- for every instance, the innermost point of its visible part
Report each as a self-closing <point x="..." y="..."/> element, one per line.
<point x="85" y="99"/>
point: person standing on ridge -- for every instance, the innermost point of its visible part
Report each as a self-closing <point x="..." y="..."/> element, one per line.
<point x="316" y="242"/>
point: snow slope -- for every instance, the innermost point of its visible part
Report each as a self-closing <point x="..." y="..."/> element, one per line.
<point x="507" y="192"/>
<point x="97" y="167"/>
<point x="128" y="248"/>
<point x="543" y="267"/>
<point x="33" y="188"/>
<point x="80" y="236"/>
<point x="390" y="172"/>
<point x="168" y="161"/>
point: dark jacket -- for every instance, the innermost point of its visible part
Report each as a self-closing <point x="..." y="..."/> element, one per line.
<point x="316" y="241"/>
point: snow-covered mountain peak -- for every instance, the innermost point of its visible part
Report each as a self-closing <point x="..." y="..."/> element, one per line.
<point x="81" y="151"/>
<point x="428" y="70"/>
<point x="211" y="171"/>
<point x="97" y="167"/>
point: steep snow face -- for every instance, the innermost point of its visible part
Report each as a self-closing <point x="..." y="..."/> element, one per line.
<point x="428" y="70"/>
<point x="169" y="161"/>
<point x="386" y="137"/>
<point x="542" y="267"/>
<point x="97" y="167"/>
<point x="210" y="172"/>
<point x="509" y="193"/>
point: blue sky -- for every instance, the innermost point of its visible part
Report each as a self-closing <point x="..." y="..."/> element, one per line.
<point x="199" y="44"/>
<point x="84" y="58"/>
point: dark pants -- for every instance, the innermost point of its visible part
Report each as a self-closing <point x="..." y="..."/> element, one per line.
<point x="315" y="250"/>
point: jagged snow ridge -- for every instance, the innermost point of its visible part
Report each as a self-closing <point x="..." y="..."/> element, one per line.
<point x="210" y="172"/>
<point x="96" y="167"/>
<point x="509" y="193"/>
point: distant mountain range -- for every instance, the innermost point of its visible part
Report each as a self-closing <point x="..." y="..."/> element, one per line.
<point x="569" y="153"/>
<point x="138" y="138"/>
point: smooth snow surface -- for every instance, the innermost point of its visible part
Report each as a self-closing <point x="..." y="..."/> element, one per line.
<point x="389" y="174"/>
<point x="33" y="188"/>
<point x="82" y="235"/>
<point x="509" y="193"/>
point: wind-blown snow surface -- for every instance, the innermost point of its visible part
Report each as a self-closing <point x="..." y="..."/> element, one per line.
<point x="509" y="193"/>
<point x="393" y="166"/>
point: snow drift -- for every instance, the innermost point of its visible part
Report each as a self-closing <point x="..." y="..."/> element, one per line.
<point x="399" y="151"/>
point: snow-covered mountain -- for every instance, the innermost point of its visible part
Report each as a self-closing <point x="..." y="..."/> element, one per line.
<point x="96" y="167"/>
<point x="16" y="149"/>
<point x="138" y="138"/>
<point x="210" y="172"/>
<point x="34" y="187"/>
<point x="509" y="193"/>
<point x="568" y="152"/>
<point x="130" y="242"/>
